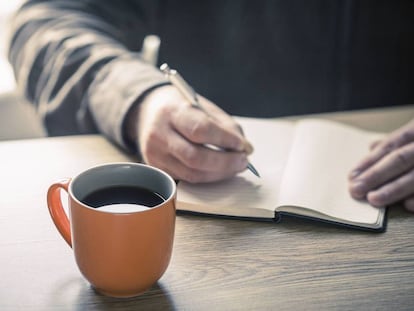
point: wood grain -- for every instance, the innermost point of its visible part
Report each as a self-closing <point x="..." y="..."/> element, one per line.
<point x="217" y="264"/>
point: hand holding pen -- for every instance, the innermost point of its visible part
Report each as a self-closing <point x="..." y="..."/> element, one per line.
<point x="171" y="135"/>
<point x="190" y="95"/>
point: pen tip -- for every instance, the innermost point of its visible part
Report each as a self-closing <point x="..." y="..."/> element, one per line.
<point x="253" y="169"/>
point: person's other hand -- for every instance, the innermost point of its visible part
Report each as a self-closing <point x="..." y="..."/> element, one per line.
<point x="172" y="136"/>
<point x="386" y="175"/>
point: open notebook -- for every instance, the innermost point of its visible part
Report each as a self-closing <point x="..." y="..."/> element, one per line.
<point x="304" y="167"/>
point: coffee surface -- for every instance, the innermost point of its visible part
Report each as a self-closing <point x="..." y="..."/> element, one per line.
<point x="122" y="196"/>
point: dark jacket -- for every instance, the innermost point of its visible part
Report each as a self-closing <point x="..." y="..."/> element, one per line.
<point x="77" y="60"/>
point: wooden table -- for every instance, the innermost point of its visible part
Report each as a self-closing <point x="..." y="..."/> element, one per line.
<point x="217" y="264"/>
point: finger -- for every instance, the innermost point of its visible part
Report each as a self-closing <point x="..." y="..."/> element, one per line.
<point x="177" y="169"/>
<point x="409" y="204"/>
<point x="163" y="159"/>
<point x="226" y="120"/>
<point x="183" y="173"/>
<point x="374" y="144"/>
<point x="386" y="169"/>
<point x="379" y="149"/>
<point x="198" y="157"/>
<point x="189" y="162"/>
<point x="400" y="137"/>
<point x="157" y="153"/>
<point x="374" y="156"/>
<point x="221" y="116"/>
<point x="394" y="191"/>
<point x="199" y="128"/>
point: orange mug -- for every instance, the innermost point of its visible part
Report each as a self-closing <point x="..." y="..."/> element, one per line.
<point x="121" y="228"/>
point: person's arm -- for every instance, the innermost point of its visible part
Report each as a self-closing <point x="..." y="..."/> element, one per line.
<point x="386" y="175"/>
<point x="73" y="60"/>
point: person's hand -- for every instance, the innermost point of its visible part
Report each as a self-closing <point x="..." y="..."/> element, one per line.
<point x="172" y="136"/>
<point x="386" y="175"/>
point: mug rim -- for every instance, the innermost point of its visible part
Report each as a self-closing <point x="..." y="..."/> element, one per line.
<point x="146" y="166"/>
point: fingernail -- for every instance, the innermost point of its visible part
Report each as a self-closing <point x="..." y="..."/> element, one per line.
<point x="354" y="174"/>
<point x="358" y="189"/>
<point x="377" y="198"/>
<point x="248" y="148"/>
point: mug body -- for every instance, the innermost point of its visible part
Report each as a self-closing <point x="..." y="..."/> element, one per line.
<point x="122" y="254"/>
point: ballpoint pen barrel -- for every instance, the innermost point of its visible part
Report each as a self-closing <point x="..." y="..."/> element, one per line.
<point x="183" y="87"/>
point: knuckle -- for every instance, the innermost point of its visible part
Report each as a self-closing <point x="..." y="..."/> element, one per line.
<point x="232" y="126"/>
<point x="407" y="136"/>
<point x="403" y="158"/>
<point x="372" y="177"/>
<point x="388" y="147"/>
<point x="165" y="109"/>
<point x="239" y="128"/>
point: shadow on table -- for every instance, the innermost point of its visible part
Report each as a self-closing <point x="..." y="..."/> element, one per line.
<point x="78" y="294"/>
<point x="156" y="298"/>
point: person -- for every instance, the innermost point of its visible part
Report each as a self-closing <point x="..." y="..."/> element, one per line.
<point x="79" y="62"/>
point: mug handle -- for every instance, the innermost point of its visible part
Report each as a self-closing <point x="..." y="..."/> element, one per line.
<point x="54" y="203"/>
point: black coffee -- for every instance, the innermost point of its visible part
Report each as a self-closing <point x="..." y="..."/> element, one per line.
<point x="123" y="195"/>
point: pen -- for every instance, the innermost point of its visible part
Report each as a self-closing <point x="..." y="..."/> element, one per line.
<point x="188" y="92"/>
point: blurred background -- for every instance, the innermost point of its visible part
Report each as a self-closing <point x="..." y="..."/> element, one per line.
<point x="18" y="119"/>
<point x="6" y="9"/>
